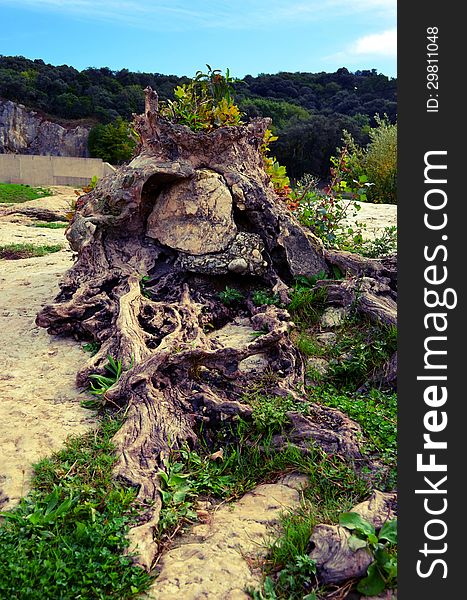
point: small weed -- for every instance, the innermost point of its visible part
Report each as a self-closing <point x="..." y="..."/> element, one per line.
<point x="91" y="347"/>
<point x="231" y="296"/>
<point x="270" y="412"/>
<point x="11" y="193"/>
<point x="359" y="353"/>
<point x="144" y="280"/>
<point x="307" y="304"/>
<point x="309" y="346"/>
<point x="18" y="251"/>
<point x="384" y="245"/>
<point x="262" y="297"/>
<point x="101" y="384"/>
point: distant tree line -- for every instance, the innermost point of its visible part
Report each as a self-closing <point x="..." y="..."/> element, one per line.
<point x="309" y="110"/>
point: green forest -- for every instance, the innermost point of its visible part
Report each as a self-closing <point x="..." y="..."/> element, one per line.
<point x="310" y="111"/>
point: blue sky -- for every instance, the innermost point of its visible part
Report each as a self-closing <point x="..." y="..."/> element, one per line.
<point x="181" y="36"/>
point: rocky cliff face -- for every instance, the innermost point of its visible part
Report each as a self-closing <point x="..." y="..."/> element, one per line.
<point x="26" y="132"/>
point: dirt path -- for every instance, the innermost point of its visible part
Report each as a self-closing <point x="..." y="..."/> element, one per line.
<point x="39" y="403"/>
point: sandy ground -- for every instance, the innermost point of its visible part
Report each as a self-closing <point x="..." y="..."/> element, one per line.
<point x="39" y="402"/>
<point x="375" y="216"/>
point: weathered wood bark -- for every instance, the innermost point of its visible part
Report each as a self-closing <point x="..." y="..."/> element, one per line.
<point x="191" y="213"/>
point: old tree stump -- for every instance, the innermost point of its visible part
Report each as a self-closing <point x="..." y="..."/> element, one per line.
<point x="192" y="213"/>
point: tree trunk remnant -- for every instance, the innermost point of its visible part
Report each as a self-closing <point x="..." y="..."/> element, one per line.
<point x="156" y="243"/>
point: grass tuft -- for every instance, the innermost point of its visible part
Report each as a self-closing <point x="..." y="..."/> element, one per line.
<point x="50" y="224"/>
<point x="11" y="193"/>
<point x="18" y="251"/>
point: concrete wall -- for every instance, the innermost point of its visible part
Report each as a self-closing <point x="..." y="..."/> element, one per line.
<point x="51" y="170"/>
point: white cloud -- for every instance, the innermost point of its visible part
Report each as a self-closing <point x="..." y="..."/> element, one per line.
<point x="165" y="15"/>
<point x="381" y="44"/>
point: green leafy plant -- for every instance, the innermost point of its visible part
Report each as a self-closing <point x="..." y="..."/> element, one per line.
<point x="277" y="173"/>
<point x="297" y="576"/>
<point x="231" y="296"/>
<point x="376" y="413"/>
<point x="177" y="493"/>
<point x="270" y="412"/>
<point x="359" y="353"/>
<point x="377" y="161"/>
<point x="306" y="303"/>
<point x="381" y="246"/>
<point x="205" y="103"/>
<point x="261" y="297"/>
<point x="101" y="384"/>
<point x="382" y="573"/>
<point x="144" y="280"/>
<point x="325" y="211"/>
<point x="91" y="347"/>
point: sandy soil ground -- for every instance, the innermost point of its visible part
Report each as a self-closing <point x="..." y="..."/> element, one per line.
<point x="39" y="402"/>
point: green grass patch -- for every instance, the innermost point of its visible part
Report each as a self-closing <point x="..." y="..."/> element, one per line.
<point x="307" y="305"/>
<point x="50" y="225"/>
<point x="11" y="193"/>
<point x="309" y="346"/>
<point x="376" y="413"/>
<point x="67" y="537"/>
<point x="360" y="350"/>
<point x="17" y="251"/>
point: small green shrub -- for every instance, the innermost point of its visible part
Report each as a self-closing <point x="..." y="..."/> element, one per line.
<point x="11" y="193"/>
<point x="377" y="162"/>
<point x="261" y="297"/>
<point x="382" y="246"/>
<point x="205" y="103"/>
<point x="376" y="413"/>
<point x="380" y="161"/>
<point x="359" y="353"/>
<point x="307" y="304"/>
<point x="91" y="347"/>
<point x="324" y="211"/>
<point x="309" y="346"/>
<point x="231" y="296"/>
<point x="270" y="412"/>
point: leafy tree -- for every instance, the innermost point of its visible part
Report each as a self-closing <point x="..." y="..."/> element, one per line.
<point x="113" y="142"/>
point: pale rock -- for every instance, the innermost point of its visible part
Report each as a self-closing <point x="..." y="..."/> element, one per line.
<point x="194" y="215"/>
<point x="213" y="561"/>
<point x="327" y="338"/>
<point x="239" y="334"/>
<point x="333" y="316"/>
<point x="317" y="364"/>
<point x="24" y="131"/>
